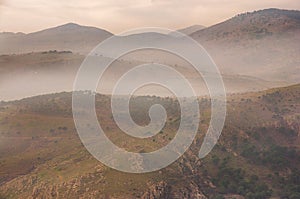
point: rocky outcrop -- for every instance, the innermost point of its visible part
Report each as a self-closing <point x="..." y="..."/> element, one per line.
<point x="189" y="191"/>
<point x="164" y="191"/>
<point x="157" y="191"/>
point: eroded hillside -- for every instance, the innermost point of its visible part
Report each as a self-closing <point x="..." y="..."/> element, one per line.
<point x="257" y="155"/>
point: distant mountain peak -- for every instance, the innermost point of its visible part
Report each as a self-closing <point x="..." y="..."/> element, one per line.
<point x="67" y="37"/>
<point x="72" y="28"/>
<point x="69" y="25"/>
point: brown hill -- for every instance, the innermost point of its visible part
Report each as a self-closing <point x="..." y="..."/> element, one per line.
<point x="253" y="25"/>
<point x="262" y="44"/>
<point x="42" y="156"/>
<point x="68" y="37"/>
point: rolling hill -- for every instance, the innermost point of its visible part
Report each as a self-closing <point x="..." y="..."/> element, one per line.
<point x="253" y="25"/>
<point x="262" y="44"/>
<point x="257" y="155"/>
<point x="67" y="37"/>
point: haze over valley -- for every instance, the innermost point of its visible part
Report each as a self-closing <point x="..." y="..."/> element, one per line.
<point x="254" y="51"/>
<point x="63" y="139"/>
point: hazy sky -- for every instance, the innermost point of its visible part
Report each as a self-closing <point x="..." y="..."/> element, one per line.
<point x="120" y="15"/>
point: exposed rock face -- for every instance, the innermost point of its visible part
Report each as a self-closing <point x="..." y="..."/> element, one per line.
<point x="158" y="191"/>
<point x="163" y="191"/>
<point x="190" y="191"/>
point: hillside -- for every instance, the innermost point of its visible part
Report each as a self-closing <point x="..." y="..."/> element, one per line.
<point x="253" y="25"/>
<point x="263" y="44"/>
<point x="67" y="37"/>
<point x="191" y="29"/>
<point x="258" y="155"/>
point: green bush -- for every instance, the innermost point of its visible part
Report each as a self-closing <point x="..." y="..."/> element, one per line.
<point x="231" y="180"/>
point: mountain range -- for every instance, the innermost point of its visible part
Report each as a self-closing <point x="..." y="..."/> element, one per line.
<point x="263" y="44"/>
<point x="254" y="51"/>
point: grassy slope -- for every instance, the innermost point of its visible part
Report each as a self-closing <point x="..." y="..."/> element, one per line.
<point x="41" y="154"/>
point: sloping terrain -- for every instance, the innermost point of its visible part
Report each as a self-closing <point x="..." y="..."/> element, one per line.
<point x="67" y="37"/>
<point x="253" y="25"/>
<point x="262" y="44"/>
<point x="191" y="29"/>
<point x="257" y="155"/>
